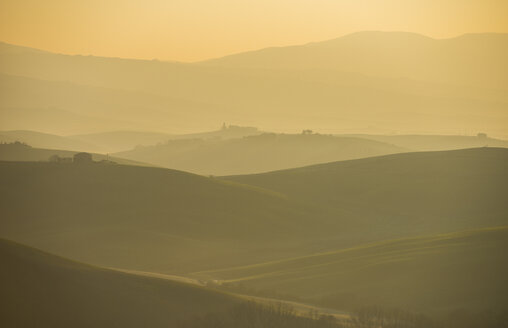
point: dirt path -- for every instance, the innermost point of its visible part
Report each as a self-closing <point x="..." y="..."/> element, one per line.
<point x="301" y="309"/>
<point x="163" y="276"/>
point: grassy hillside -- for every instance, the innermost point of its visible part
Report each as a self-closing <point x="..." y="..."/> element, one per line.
<point x="391" y="196"/>
<point x="148" y="219"/>
<point x="43" y="290"/>
<point x="253" y="154"/>
<point x="438" y="273"/>
<point x="19" y="152"/>
<point x="162" y="96"/>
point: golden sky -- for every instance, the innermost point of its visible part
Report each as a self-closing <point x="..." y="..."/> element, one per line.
<point x="192" y="30"/>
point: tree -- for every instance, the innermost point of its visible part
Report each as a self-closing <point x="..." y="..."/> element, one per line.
<point x="83" y="158"/>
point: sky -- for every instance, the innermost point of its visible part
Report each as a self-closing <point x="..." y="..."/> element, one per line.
<point x="194" y="30"/>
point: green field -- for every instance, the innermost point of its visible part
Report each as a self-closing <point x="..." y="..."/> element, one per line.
<point x="440" y="273"/>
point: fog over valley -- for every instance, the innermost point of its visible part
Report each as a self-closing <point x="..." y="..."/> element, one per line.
<point x="268" y="164"/>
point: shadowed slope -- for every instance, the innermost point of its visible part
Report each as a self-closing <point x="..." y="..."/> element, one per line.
<point x="43" y="290"/>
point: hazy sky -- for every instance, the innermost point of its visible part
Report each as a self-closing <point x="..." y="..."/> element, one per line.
<point x="191" y="30"/>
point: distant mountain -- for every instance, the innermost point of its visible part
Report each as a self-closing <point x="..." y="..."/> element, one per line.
<point x="43" y="290"/>
<point x="471" y="59"/>
<point x="436" y="142"/>
<point x="254" y="154"/>
<point x="162" y="96"/>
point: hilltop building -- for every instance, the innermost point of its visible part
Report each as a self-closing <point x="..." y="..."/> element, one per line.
<point x="82" y="158"/>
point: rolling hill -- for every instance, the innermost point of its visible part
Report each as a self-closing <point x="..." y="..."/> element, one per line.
<point x="436" y="142"/>
<point x="147" y="219"/>
<point x="43" y="290"/>
<point x="154" y="219"/>
<point x="253" y="154"/>
<point x="434" y="274"/>
<point x="402" y="194"/>
<point x="412" y="218"/>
